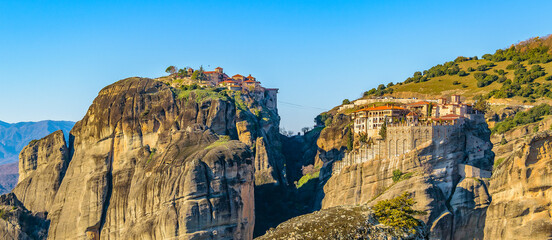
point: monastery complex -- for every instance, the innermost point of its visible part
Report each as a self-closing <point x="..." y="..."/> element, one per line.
<point x="236" y="82"/>
<point x="389" y="131"/>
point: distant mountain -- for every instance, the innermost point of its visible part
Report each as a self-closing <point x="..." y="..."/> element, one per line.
<point x="8" y="177"/>
<point x="13" y="137"/>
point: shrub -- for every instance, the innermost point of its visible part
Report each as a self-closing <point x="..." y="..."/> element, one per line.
<point x="549" y="78"/>
<point x="397" y="175"/>
<point x="498" y="162"/>
<point x="471" y="69"/>
<point x="345" y="101"/>
<point x="398" y="212"/>
<point x="462" y="73"/>
<point x="306" y="178"/>
<point x="479" y="75"/>
<point x="482" y="68"/>
<point x="455" y="83"/>
<point x="534" y="114"/>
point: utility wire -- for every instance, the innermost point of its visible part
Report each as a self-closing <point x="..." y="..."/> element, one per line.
<point x="302" y="106"/>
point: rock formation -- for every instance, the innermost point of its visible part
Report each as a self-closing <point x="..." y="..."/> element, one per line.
<point x="151" y="162"/>
<point x="432" y="173"/>
<point x="16" y="222"/>
<point x="42" y="166"/>
<point x="344" y="222"/>
<point x="521" y="192"/>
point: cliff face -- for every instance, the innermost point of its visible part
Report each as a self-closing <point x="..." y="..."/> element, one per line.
<point x="150" y="162"/>
<point x="42" y="166"/>
<point x="445" y="176"/>
<point x="521" y="190"/>
<point x="16" y="222"/>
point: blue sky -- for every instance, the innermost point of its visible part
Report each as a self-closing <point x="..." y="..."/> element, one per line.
<point x="56" y="55"/>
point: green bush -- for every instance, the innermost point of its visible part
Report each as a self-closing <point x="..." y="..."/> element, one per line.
<point x="534" y="114"/>
<point x="482" y="68"/>
<point x="498" y="162"/>
<point x="397" y="175"/>
<point x="398" y="212"/>
<point x="462" y="73"/>
<point x="307" y="177"/>
<point x="455" y="83"/>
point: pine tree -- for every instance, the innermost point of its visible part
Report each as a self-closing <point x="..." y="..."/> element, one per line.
<point x="383" y="130"/>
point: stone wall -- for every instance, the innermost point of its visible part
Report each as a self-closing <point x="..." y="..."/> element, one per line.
<point x="400" y="139"/>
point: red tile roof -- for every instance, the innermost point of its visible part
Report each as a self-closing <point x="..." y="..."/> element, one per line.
<point x="250" y="81"/>
<point x="250" y="77"/>
<point x="210" y="72"/>
<point x="218" y="68"/>
<point x="237" y="76"/>
<point x="412" y="114"/>
<point x="380" y="108"/>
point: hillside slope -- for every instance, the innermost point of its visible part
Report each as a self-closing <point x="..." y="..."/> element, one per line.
<point x="520" y="74"/>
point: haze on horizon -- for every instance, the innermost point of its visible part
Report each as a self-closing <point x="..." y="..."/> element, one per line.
<point x="56" y="56"/>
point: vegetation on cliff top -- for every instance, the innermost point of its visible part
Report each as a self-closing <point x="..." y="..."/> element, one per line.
<point x="534" y="114"/>
<point x="520" y="72"/>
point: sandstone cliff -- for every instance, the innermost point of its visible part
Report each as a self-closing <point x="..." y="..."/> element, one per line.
<point x="16" y="222"/>
<point x="153" y="162"/>
<point x="438" y="173"/>
<point x="521" y="191"/>
<point x="42" y="166"/>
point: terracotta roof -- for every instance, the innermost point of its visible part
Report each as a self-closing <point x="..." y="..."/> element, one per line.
<point x="218" y="68"/>
<point x="380" y="108"/>
<point x="237" y="76"/>
<point x="250" y="77"/>
<point x="209" y="72"/>
<point x="250" y="81"/>
<point x="412" y="114"/>
<point x="418" y="103"/>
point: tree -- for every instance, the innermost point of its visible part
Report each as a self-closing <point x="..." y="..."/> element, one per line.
<point x="383" y="130"/>
<point x="398" y="212"/>
<point x="481" y="104"/>
<point x="182" y="73"/>
<point x="171" y="70"/>
<point x="346" y="101"/>
<point x="350" y="139"/>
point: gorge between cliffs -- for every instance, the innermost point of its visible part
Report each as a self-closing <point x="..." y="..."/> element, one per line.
<point x="152" y="160"/>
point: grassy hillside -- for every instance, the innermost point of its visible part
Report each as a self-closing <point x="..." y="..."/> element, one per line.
<point x="520" y="74"/>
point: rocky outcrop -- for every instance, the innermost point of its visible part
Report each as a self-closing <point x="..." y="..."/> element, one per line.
<point x="469" y="207"/>
<point x="431" y="173"/>
<point x="521" y="192"/>
<point x="344" y="222"/>
<point x="42" y="166"/>
<point x="16" y="222"/>
<point x="152" y="162"/>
